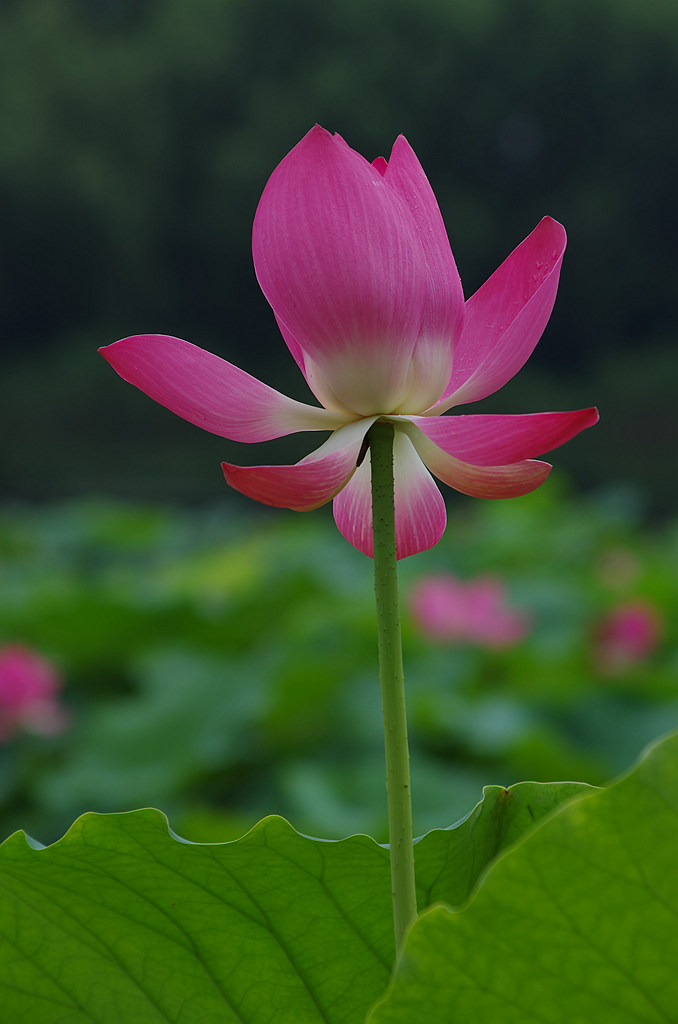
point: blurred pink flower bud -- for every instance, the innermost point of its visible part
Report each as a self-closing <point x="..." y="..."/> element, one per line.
<point x="467" y="612"/>
<point x="29" y="689"/>
<point x="628" y="634"/>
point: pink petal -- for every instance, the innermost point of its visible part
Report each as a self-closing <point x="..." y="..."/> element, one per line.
<point x="293" y="345"/>
<point x="506" y="317"/>
<point x="508" y="481"/>
<point x="337" y="254"/>
<point x="444" y="310"/>
<point x="211" y="392"/>
<point x="309" y="483"/>
<point x="500" y="440"/>
<point x="314" y="376"/>
<point x="420" y="515"/>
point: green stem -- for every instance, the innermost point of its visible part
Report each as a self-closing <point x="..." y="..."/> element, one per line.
<point x="380" y="439"/>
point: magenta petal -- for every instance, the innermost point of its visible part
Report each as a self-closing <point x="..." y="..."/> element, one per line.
<point x="491" y="481"/>
<point x="420" y="515"/>
<point x="211" y="392"/>
<point x="500" y="440"/>
<point x="307" y="484"/>
<point x="506" y="317"/>
<point x="293" y="345"/>
<point x="338" y="256"/>
<point x="444" y="310"/>
<point x="480" y="481"/>
<point x="314" y="377"/>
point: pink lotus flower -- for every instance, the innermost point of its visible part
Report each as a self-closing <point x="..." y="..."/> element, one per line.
<point x="354" y="260"/>
<point x="626" y="636"/>
<point x="476" y="611"/>
<point x="29" y="688"/>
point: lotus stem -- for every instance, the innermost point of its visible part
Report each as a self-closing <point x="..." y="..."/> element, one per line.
<point x="392" y="681"/>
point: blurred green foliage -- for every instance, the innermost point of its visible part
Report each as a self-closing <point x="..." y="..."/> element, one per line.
<point x="137" y="137"/>
<point x="223" y="669"/>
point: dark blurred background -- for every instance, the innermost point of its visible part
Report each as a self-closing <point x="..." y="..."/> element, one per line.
<point x="137" y="136"/>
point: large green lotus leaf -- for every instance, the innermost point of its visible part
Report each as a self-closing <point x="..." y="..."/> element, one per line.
<point x="449" y="861"/>
<point x="576" y="923"/>
<point x="122" y="923"/>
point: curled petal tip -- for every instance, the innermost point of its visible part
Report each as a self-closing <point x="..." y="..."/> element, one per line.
<point x="552" y="222"/>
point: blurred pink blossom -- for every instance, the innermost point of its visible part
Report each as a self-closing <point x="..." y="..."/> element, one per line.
<point x="29" y="691"/>
<point x="475" y="611"/>
<point x="627" y="635"/>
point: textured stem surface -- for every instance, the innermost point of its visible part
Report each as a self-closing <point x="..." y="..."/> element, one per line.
<point x="392" y="681"/>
